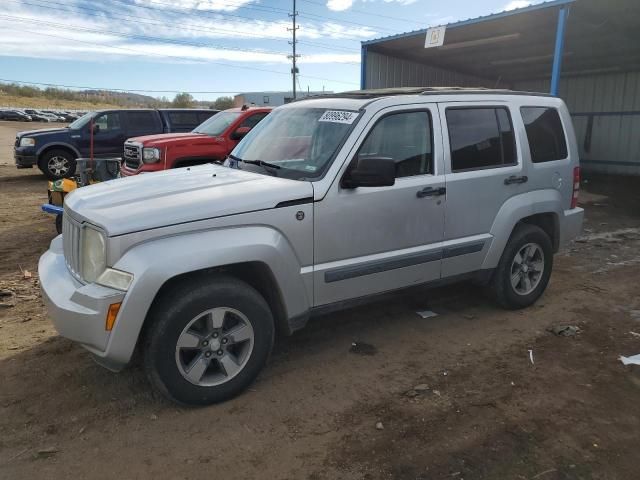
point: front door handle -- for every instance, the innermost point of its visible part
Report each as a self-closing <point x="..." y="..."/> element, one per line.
<point x="513" y="180"/>
<point x="431" y="192"/>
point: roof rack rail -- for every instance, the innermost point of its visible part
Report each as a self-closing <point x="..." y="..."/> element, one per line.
<point x="389" y="92"/>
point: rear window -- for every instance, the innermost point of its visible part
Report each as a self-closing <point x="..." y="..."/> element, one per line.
<point x="545" y="134"/>
<point x="480" y="138"/>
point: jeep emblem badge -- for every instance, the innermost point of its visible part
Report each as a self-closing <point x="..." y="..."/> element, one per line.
<point x="300" y="215"/>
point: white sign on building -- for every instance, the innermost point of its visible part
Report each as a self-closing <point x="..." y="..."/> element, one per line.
<point x="435" y="37"/>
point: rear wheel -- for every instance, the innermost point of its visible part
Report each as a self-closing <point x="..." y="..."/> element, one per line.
<point x="208" y="340"/>
<point x="57" y="164"/>
<point x="524" y="269"/>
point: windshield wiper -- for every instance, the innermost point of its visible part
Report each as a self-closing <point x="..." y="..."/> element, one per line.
<point x="261" y="163"/>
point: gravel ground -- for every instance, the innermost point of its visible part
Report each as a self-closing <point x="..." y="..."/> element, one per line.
<point x="454" y="396"/>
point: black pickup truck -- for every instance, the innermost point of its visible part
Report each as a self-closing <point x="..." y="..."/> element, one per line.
<point x="54" y="151"/>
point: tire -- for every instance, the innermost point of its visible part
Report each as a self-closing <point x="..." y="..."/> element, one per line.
<point x="509" y="286"/>
<point x="57" y="164"/>
<point x="194" y="375"/>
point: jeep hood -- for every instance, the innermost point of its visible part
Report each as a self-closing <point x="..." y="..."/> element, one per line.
<point x="163" y="139"/>
<point x="182" y="195"/>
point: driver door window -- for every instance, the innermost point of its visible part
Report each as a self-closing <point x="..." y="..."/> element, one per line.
<point x="404" y="137"/>
<point x="108" y="122"/>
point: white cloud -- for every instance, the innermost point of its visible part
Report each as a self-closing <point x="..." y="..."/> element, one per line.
<point x="88" y="38"/>
<point x="339" y="5"/>
<point x="401" y="2"/>
<point x="215" y="5"/>
<point x="515" y="4"/>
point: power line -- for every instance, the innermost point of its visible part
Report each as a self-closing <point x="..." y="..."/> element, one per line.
<point x="79" y="87"/>
<point x="179" y="58"/>
<point x="294" y="56"/>
<point x="99" y="14"/>
<point x="144" y="37"/>
<point x="364" y="12"/>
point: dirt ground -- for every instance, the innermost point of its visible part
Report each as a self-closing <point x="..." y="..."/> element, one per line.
<point x="497" y="397"/>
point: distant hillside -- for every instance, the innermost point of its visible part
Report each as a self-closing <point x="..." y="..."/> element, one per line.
<point x="13" y="101"/>
<point x="122" y="98"/>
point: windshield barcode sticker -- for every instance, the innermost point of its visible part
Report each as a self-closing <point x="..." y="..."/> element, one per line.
<point x="338" y="116"/>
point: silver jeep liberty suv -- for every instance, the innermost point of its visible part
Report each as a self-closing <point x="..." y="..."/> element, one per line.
<point x="326" y="201"/>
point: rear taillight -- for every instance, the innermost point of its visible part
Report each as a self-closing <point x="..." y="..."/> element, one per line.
<point x="576" y="187"/>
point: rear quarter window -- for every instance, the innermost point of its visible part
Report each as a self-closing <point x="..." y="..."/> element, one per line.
<point x="184" y="119"/>
<point x="545" y="134"/>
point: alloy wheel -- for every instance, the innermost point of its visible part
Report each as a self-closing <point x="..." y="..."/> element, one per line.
<point x="214" y="347"/>
<point x="527" y="269"/>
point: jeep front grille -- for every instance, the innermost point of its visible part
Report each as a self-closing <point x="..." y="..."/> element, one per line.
<point x="71" y="244"/>
<point x="132" y="156"/>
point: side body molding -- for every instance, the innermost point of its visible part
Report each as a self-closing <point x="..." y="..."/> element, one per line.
<point x="515" y="209"/>
<point x="156" y="261"/>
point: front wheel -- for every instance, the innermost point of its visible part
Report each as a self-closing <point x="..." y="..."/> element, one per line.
<point x="208" y="340"/>
<point x="524" y="269"/>
<point x="57" y="164"/>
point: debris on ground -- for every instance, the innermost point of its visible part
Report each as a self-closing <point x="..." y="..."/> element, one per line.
<point x="635" y="334"/>
<point x="564" y="330"/>
<point x="47" y="452"/>
<point x="360" y="348"/>
<point x="379" y="426"/>
<point x="531" y="357"/>
<point x="417" y="390"/>
<point x="634" y="360"/>
<point x="427" y="314"/>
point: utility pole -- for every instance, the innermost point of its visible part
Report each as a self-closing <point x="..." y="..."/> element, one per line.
<point x="294" y="56"/>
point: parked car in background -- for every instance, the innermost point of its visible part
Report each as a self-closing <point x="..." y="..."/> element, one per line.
<point x="14" y="115"/>
<point x="38" y="116"/>
<point x="211" y="141"/>
<point x="330" y="201"/>
<point x="54" y="151"/>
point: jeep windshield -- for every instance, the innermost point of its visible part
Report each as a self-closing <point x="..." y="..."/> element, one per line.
<point x="217" y="124"/>
<point x="302" y="142"/>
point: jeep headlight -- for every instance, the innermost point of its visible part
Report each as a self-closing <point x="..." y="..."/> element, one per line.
<point x="150" y="155"/>
<point x="27" y="142"/>
<point x="93" y="254"/>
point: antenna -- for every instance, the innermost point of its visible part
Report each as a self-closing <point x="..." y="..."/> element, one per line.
<point x="294" y="56"/>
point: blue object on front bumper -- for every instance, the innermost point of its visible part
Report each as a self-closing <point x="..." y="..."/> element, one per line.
<point x="53" y="209"/>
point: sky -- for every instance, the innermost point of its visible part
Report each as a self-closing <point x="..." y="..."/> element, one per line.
<point x="209" y="48"/>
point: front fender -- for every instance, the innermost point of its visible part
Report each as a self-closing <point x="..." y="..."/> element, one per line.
<point x="155" y="262"/>
<point x="512" y="211"/>
<point x="58" y="144"/>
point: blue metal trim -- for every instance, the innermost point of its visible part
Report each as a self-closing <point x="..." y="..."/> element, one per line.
<point x="471" y="21"/>
<point x="559" y="50"/>
<point x="363" y="66"/>
<point x="54" y="209"/>
<point x="605" y="114"/>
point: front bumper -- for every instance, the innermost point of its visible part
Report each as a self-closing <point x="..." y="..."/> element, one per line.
<point x="78" y="311"/>
<point x="571" y="226"/>
<point x="25" y="157"/>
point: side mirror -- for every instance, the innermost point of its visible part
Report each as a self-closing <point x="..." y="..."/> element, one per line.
<point x="96" y="128"/>
<point x="371" y="172"/>
<point x="240" y="133"/>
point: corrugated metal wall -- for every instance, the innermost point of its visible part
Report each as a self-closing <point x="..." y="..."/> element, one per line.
<point x="606" y="117"/>
<point x="384" y="71"/>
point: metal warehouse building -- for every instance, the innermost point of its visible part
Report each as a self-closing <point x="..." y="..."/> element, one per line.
<point x="585" y="51"/>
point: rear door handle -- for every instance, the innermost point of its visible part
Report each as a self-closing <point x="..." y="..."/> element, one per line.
<point x="431" y="192"/>
<point x="513" y="180"/>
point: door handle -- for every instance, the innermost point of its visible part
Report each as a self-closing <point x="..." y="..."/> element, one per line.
<point x="513" y="180"/>
<point x="431" y="192"/>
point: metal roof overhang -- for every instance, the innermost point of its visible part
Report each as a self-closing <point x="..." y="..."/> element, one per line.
<point x="601" y="36"/>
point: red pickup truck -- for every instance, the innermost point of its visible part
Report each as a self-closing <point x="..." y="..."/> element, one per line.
<point x="210" y="141"/>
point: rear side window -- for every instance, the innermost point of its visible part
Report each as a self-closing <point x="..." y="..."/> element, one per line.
<point x="480" y="138"/>
<point x="202" y="116"/>
<point x="545" y="134"/>
<point x="404" y="137"/>
<point x="184" y="119"/>
<point x="142" y="123"/>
